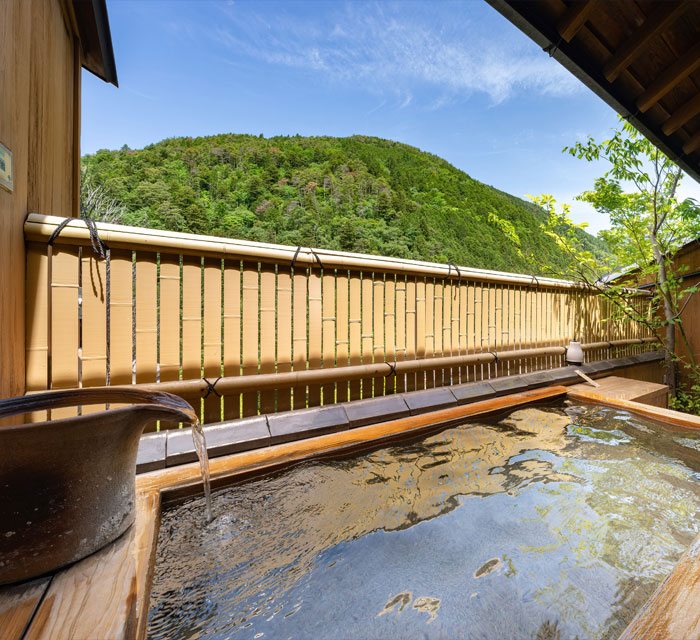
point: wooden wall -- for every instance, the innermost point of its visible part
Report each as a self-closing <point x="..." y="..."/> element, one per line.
<point x="40" y="125"/>
<point x="689" y="259"/>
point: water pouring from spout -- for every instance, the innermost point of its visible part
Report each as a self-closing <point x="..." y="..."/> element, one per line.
<point x="200" y="446"/>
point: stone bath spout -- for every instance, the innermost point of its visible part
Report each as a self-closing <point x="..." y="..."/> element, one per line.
<point x="67" y="485"/>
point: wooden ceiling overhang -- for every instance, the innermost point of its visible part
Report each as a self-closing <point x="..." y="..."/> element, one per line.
<point x="641" y="56"/>
<point x="95" y="39"/>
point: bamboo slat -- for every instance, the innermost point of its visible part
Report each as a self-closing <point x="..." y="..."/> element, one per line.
<point x="212" y="346"/>
<point x="455" y="320"/>
<point x="492" y="342"/>
<point x="390" y="329"/>
<point x="192" y="323"/>
<point x="120" y="317"/>
<point x="438" y="328"/>
<point x="470" y="327"/>
<point x="328" y="332"/>
<point x="411" y="329"/>
<point x="378" y="331"/>
<point x="400" y="318"/>
<point x="420" y="329"/>
<point x="169" y="318"/>
<point x="284" y="332"/>
<point x="483" y="325"/>
<point x="250" y="334"/>
<point x="511" y="338"/>
<point x="65" y="267"/>
<point x="93" y="324"/>
<point x="146" y="317"/>
<point x="300" y="345"/>
<point x="355" y="330"/>
<point x="268" y="285"/>
<point x="232" y="334"/>
<point x="94" y="321"/>
<point x="367" y="329"/>
<point x="341" y="330"/>
<point x="169" y="322"/>
<point x="314" y="334"/>
<point x="429" y="329"/>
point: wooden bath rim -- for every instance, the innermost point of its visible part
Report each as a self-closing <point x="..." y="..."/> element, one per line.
<point x="107" y="594"/>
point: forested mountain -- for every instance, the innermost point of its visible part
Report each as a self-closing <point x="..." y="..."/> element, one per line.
<point x="355" y="194"/>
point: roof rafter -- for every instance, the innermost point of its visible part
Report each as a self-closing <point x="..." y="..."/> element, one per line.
<point x="635" y="44"/>
<point x="693" y="144"/>
<point x="679" y="70"/>
<point x="679" y="117"/>
<point x="574" y="19"/>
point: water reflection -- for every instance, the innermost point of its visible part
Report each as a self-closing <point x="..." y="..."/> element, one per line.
<point x="555" y="522"/>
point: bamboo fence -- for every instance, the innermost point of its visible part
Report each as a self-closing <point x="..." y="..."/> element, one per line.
<point x="175" y="309"/>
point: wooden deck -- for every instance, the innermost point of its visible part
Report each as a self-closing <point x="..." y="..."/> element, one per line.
<point x="106" y="596"/>
<point x="618" y="388"/>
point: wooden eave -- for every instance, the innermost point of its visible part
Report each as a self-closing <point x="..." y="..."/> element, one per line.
<point x="97" y="55"/>
<point x="641" y="56"/>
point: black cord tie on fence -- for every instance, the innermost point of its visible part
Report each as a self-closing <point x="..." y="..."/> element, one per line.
<point x="392" y="370"/>
<point x="211" y="387"/>
<point x="610" y="345"/>
<point x="315" y="255"/>
<point x="535" y="280"/>
<point x="495" y="356"/>
<point x="98" y="245"/>
<point x="57" y="230"/>
<point x="296" y="253"/>
<point x="459" y="278"/>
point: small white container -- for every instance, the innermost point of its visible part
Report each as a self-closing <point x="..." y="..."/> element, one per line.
<point x="574" y="353"/>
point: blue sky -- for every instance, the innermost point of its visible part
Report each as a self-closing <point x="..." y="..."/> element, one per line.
<point x="452" y="78"/>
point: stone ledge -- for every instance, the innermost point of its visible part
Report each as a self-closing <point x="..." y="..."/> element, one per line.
<point x="429" y="400"/>
<point x="472" y="391"/>
<point x="371" y="410"/>
<point x="508" y="384"/>
<point x="174" y="447"/>
<point x="223" y="439"/>
<point x="538" y="379"/>
<point x="306" y="423"/>
<point x="151" y="453"/>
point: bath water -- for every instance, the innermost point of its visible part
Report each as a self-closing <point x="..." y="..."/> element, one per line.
<point x="554" y="522"/>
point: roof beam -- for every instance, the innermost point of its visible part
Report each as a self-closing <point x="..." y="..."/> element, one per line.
<point x="679" y="70"/>
<point x="574" y="19"/>
<point x="689" y="110"/>
<point x="692" y="145"/>
<point x="664" y="15"/>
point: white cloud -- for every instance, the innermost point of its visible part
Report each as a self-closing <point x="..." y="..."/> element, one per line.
<point x="388" y="49"/>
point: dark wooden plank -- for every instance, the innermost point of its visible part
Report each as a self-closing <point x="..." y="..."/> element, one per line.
<point x="678" y="71"/>
<point x="661" y="18"/>
<point x="18" y="604"/>
<point x="673" y="611"/>
<point x="574" y="19"/>
<point x="692" y="145"/>
<point x="667" y="416"/>
<point x="679" y="117"/>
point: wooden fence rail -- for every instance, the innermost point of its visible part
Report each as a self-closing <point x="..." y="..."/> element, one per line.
<point x="165" y="306"/>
